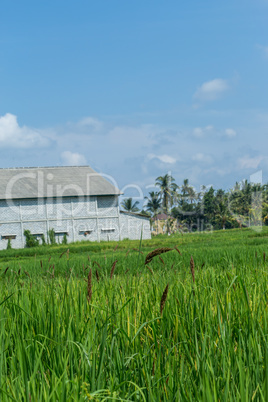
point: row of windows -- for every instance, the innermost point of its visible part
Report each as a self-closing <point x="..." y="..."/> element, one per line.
<point x="39" y="235"/>
<point x="36" y="235"/>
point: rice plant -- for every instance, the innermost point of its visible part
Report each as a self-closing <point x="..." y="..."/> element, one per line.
<point x="193" y="328"/>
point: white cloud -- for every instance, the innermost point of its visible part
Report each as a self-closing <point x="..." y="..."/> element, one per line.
<point x="248" y="162"/>
<point x="14" y="136"/>
<point x="90" y="122"/>
<point x="163" y="158"/>
<point x="211" y="90"/>
<point x="204" y="158"/>
<point x="263" y="49"/>
<point x="137" y="153"/>
<point x="230" y="132"/>
<point x="73" y="158"/>
<point x="200" y="132"/>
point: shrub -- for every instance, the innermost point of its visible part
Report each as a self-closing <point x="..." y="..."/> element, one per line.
<point x="9" y="244"/>
<point x="64" y="240"/>
<point x="31" y="241"/>
<point x="44" y="243"/>
<point x="51" y="236"/>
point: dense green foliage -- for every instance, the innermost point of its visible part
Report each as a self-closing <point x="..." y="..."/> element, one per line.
<point x="130" y="206"/>
<point x="209" y="344"/>
<point x="51" y="236"/>
<point x="245" y="205"/>
<point x="31" y="241"/>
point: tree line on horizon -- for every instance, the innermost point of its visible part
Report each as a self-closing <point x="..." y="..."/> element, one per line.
<point x="244" y="205"/>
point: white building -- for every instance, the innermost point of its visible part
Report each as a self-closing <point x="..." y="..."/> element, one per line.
<point x="75" y="201"/>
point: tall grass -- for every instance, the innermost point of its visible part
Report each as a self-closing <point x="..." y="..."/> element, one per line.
<point x="67" y="335"/>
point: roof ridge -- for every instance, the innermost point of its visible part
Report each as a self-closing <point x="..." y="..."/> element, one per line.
<point x="45" y="167"/>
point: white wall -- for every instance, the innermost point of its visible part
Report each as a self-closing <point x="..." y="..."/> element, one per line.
<point x="99" y="216"/>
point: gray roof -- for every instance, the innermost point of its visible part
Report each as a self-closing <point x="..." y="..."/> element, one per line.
<point x="135" y="214"/>
<point x="43" y="182"/>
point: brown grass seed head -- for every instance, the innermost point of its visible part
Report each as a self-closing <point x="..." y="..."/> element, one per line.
<point x="163" y="299"/>
<point x="156" y="252"/>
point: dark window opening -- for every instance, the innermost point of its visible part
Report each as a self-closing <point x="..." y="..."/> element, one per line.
<point x="61" y="233"/>
<point x="85" y="232"/>
<point x="9" y="237"/>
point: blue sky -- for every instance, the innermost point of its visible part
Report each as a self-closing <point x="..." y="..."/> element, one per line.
<point x="136" y="89"/>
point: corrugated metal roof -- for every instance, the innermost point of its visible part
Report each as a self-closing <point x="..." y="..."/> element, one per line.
<point x="160" y="217"/>
<point x="42" y="182"/>
<point x="134" y="214"/>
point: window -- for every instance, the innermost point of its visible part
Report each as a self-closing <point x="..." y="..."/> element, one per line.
<point x="108" y="230"/>
<point x="36" y="235"/>
<point x="85" y="232"/>
<point x="9" y="237"/>
<point x="61" y="233"/>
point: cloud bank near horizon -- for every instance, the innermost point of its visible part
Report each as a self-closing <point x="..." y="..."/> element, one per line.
<point x="136" y="153"/>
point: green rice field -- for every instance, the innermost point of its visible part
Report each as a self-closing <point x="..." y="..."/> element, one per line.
<point x="93" y="322"/>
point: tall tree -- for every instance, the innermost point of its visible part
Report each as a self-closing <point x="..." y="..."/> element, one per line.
<point x="165" y="184"/>
<point x="222" y="212"/>
<point x="129" y="205"/>
<point x="185" y="188"/>
<point x="153" y="203"/>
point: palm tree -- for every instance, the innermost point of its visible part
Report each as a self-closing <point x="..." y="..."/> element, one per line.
<point x="223" y="214"/>
<point x="185" y="188"/>
<point x="191" y="194"/>
<point x="188" y="191"/>
<point x="166" y="187"/>
<point x="129" y="205"/>
<point x="154" y="203"/>
<point x="175" y="196"/>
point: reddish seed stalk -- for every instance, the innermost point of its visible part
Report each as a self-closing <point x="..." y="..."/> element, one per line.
<point x="136" y="249"/>
<point x="163" y="299"/>
<point x="113" y="268"/>
<point x="96" y="263"/>
<point x="97" y="275"/>
<point x="150" y="269"/>
<point x="176" y="248"/>
<point x="89" y="286"/>
<point x="156" y="252"/>
<point x="161" y="259"/>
